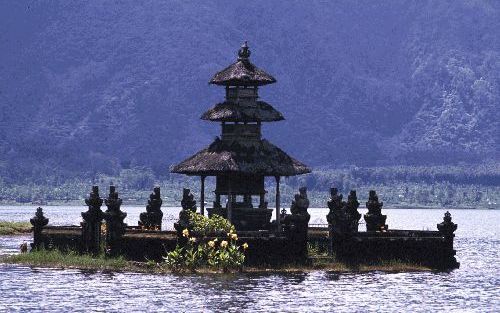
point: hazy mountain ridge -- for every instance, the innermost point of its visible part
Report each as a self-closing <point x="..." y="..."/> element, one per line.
<point x="92" y="87"/>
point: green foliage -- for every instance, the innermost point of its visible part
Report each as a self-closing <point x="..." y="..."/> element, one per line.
<point x="175" y="259"/>
<point x="203" y="225"/>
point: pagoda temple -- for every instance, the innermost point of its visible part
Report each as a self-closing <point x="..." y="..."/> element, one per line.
<point x="240" y="158"/>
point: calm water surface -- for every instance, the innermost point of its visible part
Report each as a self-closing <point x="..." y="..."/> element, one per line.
<point x="475" y="287"/>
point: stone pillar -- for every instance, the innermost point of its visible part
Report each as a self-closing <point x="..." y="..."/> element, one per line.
<point x="447" y="227"/>
<point x="353" y="216"/>
<point x="91" y="225"/>
<point x="334" y="217"/>
<point x="39" y="222"/>
<point x="151" y="219"/>
<point x="375" y="221"/>
<point x="114" y="223"/>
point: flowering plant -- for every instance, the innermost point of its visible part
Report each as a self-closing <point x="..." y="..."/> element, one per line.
<point x="226" y="255"/>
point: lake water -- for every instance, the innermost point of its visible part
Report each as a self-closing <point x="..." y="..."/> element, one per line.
<point x="475" y="287"/>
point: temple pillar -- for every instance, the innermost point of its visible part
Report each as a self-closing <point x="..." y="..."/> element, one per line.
<point x="202" y="196"/>
<point x="278" y="198"/>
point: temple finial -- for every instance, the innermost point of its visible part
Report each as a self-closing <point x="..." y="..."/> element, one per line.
<point x="244" y="52"/>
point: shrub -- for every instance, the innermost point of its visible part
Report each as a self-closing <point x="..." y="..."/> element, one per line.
<point x="204" y="226"/>
<point x="219" y="253"/>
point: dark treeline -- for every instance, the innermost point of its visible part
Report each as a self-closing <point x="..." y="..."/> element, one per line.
<point x="475" y="186"/>
<point x="484" y="174"/>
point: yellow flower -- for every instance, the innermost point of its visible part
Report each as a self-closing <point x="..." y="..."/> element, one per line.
<point x="211" y="243"/>
<point x="223" y="244"/>
<point x="245" y="246"/>
<point x="185" y="233"/>
<point x="234" y="237"/>
<point x="192" y="239"/>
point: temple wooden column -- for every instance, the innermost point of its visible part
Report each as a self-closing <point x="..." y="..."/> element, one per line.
<point x="278" y="202"/>
<point x="202" y="195"/>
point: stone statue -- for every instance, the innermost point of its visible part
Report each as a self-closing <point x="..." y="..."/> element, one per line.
<point x="375" y="221"/>
<point x="301" y="203"/>
<point x="343" y="217"/>
<point x="151" y="219"/>
<point x="335" y="204"/>
<point x="188" y="204"/>
<point x="447" y="227"/>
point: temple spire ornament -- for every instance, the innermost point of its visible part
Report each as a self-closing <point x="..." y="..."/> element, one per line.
<point x="244" y="52"/>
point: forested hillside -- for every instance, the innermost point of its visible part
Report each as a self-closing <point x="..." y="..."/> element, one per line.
<point x="98" y="87"/>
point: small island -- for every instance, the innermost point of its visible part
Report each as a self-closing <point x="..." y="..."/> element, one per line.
<point x="236" y="232"/>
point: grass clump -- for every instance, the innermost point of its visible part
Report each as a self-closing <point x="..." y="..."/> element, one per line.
<point x="70" y="259"/>
<point x="393" y="266"/>
<point x="14" y="228"/>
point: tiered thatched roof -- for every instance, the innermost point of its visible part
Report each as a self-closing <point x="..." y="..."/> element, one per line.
<point x="242" y="72"/>
<point x="258" y="157"/>
<point x="231" y="112"/>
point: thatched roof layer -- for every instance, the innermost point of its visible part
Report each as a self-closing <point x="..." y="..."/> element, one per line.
<point x="232" y="112"/>
<point x="258" y="157"/>
<point x="242" y="73"/>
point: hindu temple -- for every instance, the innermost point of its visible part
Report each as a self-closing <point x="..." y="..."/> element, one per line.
<point x="240" y="158"/>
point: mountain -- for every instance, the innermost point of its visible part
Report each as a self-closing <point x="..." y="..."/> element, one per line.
<point x="97" y="86"/>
